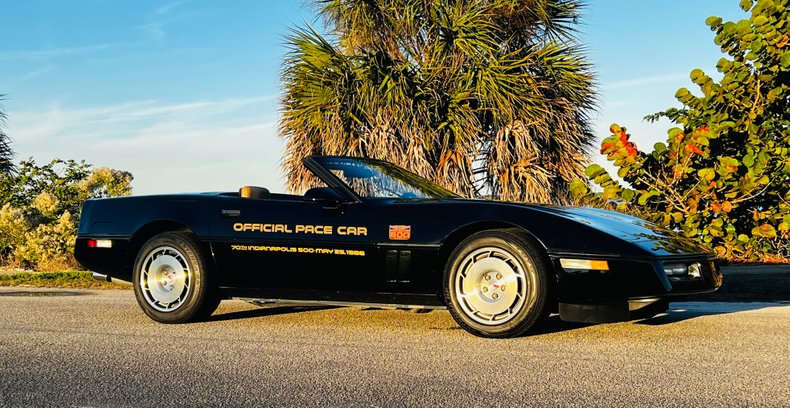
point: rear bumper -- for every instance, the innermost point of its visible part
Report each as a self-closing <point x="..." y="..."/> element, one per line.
<point x="112" y="262"/>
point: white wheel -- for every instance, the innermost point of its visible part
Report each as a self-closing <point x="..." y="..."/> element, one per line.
<point x="165" y="278"/>
<point x="491" y="285"/>
<point x="172" y="280"/>
<point x="497" y="283"/>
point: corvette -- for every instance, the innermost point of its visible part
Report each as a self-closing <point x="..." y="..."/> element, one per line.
<point x="375" y="234"/>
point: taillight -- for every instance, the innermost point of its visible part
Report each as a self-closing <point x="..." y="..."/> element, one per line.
<point x="99" y="243"/>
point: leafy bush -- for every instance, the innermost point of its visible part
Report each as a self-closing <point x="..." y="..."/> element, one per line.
<point x="723" y="176"/>
<point x="41" y="206"/>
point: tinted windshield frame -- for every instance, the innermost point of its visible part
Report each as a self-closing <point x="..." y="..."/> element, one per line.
<point x="414" y="181"/>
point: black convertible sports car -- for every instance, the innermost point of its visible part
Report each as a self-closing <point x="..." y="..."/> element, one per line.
<point x="378" y="234"/>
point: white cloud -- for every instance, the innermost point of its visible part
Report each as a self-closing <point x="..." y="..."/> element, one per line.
<point x="650" y="80"/>
<point x="160" y="18"/>
<point x="193" y="146"/>
<point x="50" y="52"/>
<point x="35" y="73"/>
<point x="165" y="9"/>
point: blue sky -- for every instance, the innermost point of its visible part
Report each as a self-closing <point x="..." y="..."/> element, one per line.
<point x="184" y="93"/>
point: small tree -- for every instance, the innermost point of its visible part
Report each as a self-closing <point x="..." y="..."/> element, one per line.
<point x="40" y="208"/>
<point x="486" y="97"/>
<point x="723" y="176"/>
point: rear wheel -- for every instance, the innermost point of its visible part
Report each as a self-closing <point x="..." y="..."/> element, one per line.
<point x="171" y="279"/>
<point x="497" y="284"/>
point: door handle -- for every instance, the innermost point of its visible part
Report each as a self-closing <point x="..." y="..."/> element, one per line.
<point x="230" y="213"/>
<point x="331" y="208"/>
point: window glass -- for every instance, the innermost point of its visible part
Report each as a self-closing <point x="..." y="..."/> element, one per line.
<point x="376" y="179"/>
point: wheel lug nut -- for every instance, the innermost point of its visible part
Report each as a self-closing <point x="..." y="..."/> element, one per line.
<point x="485" y="288"/>
<point x="495" y="296"/>
<point x="488" y="277"/>
<point x="502" y="287"/>
<point x="499" y="276"/>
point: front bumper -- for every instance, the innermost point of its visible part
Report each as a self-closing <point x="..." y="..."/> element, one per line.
<point x="630" y="288"/>
<point x="614" y="311"/>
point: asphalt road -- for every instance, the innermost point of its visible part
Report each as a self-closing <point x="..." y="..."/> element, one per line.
<point x="97" y="350"/>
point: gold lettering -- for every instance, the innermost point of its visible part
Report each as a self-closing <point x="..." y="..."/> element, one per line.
<point x="301" y="229"/>
<point x="301" y="250"/>
<point x="349" y="230"/>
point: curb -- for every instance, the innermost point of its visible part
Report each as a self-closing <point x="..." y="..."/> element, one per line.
<point x="755" y="269"/>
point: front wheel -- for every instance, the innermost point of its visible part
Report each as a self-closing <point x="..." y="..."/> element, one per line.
<point x="497" y="284"/>
<point x="171" y="279"/>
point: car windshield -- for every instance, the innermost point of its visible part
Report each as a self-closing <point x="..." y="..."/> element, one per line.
<point x="377" y="179"/>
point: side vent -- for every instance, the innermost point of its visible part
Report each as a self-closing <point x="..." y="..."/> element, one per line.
<point x="398" y="266"/>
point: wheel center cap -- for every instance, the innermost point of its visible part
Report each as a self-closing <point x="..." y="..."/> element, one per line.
<point x="168" y="277"/>
<point x="492" y="286"/>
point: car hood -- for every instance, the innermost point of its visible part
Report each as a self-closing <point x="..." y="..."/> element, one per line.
<point x="648" y="236"/>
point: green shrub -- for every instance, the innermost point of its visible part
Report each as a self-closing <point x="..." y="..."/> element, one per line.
<point x="723" y="176"/>
<point x="41" y="206"/>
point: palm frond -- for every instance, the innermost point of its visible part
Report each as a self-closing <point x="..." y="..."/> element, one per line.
<point x="485" y="97"/>
<point x="7" y="166"/>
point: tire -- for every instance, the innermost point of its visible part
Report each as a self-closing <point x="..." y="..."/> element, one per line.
<point x="497" y="284"/>
<point x="171" y="279"/>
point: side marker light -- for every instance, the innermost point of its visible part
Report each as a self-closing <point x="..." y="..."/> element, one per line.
<point x="584" y="264"/>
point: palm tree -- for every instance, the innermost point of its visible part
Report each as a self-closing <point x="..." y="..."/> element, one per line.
<point x="485" y="97"/>
<point x="6" y="153"/>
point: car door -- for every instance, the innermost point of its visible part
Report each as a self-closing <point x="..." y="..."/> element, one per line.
<point x="290" y="242"/>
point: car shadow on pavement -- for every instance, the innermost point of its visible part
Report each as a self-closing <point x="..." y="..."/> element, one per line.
<point x="266" y="311"/>
<point x="553" y="324"/>
<point x="679" y="312"/>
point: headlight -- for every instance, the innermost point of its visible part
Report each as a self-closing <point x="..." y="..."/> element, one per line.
<point x="695" y="271"/>
<point x="675" y="270"/>
<point x="683" y="271"/>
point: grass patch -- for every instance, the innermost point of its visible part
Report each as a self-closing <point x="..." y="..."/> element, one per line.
<point x="74" y="279"/>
